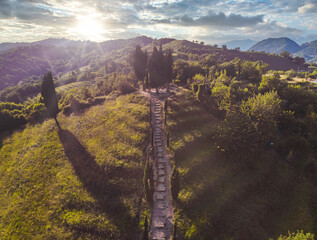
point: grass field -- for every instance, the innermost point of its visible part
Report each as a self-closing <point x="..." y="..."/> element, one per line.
<point x="79" y="85"/>
<point x="81" y="182"/>
<point x="222" y="199"/>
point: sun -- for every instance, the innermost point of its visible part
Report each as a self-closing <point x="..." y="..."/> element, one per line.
<point x="89" y="28"/>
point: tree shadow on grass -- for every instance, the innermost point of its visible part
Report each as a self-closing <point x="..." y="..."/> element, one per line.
<point x="96" y="181"/>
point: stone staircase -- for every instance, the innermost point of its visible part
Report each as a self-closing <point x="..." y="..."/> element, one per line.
<point x="162" y="213"/>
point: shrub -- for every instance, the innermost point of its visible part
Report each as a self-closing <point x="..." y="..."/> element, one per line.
<point x="125" y="87"/>
<point x="300" y="235"/>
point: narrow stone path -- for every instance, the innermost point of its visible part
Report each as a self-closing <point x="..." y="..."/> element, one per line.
<point x="162" y="212"/>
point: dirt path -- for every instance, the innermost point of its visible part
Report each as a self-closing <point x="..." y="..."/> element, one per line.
<point x="162" y="212"/>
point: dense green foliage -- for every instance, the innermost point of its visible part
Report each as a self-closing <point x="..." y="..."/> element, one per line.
<point x="230" y="197"/>
<point x="11" y="116"/>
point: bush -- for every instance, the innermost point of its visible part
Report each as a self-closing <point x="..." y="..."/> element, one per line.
<point x="11" y="116"/>
<point x="125" y="87"/>
<point x="37" y="112"/>
<point x="300" y="235"/>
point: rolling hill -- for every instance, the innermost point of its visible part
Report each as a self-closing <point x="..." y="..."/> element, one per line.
<point x="276" y="45"/>
<point x="308" y="51"/>
<point x="59" y="56"/>
<point x="24" y="62"/>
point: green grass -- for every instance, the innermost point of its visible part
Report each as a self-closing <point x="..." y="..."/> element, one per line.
<point x="222" y="199"/>
<point x="73" y="85"/>
<point x="83" y="182"/>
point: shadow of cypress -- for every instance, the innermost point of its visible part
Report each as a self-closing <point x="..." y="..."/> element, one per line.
<point x="95" y="181"/>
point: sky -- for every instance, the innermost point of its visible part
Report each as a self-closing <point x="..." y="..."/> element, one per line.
<point x="211" y="21"/>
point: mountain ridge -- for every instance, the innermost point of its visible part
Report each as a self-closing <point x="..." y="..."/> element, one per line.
<point x="307" y="50"/>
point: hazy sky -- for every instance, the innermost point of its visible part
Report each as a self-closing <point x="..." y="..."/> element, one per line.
<point x="212" y="21"/>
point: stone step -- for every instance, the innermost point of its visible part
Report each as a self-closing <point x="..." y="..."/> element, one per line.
<point x="161" y="172"/>
<point x="161" y="160"/>
<point x="161" y="166"/>
<point x="159" y="238"/>
<point x="158" y="223"/>
<point x="159" y="149"/>
<point x="161" y="187"/>
<point x="162" y="179"/>
<point x="159" y="196"/>
<point x="160" y="205"/>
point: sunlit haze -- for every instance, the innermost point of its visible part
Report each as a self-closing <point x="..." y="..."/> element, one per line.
<point x="209" y="21"/>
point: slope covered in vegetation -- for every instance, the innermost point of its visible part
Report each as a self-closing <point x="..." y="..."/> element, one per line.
<point x="82" y="182"/>
<point x="276" y="45"/>
<point x="223" y="198"/>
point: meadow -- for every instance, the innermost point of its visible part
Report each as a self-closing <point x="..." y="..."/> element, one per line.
<point x="81" y="182"/>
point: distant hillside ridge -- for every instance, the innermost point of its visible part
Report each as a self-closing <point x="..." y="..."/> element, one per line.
<point x="244" y="45"/>
<point x="181" y="47"/>
<point x="276" y="45"/>
<point x="308" y="51"/>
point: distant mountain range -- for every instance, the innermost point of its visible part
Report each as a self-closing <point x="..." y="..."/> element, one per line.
<point x="244" y="45"/>
<point x="277" y="45"/>
<point x="48" y="42"/>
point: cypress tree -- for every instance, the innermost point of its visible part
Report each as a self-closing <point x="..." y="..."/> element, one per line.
<point x="146" y="231"/>
<point x="175" y="184"/>
<point x="174" y="231"/>
<point x="151" y="182"/>
<point x="165" y="109"/>
<point x="139" y="63"/>
<point x="49" y="96"/>
<point x="169" y="68"/>
<point x="146" y="180"/>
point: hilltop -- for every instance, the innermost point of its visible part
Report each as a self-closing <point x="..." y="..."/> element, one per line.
<point x="276" y="45"/>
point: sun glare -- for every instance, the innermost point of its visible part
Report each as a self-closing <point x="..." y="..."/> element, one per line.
<point x="89" y="28"/>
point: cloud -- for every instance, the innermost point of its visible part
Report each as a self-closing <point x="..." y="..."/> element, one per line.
<point x="161" y="18"/>
<point x="215" y="20"/>
<point x="309" y="7"/>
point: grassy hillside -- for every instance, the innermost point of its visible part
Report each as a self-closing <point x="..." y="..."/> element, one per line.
<point x="223" y="199"/>
<point x="82" y="182"/>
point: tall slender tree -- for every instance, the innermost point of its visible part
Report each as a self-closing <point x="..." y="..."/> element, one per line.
<point x="146" y="231"/>
<point x="154" y="71"/>
<point x="49" y="96"/>
<point x="140" y="60"/>
<point x="169" y="68"/>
